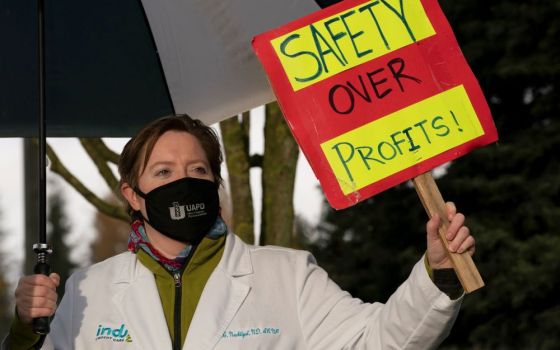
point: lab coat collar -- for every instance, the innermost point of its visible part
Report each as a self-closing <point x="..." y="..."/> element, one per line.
<point x="144" y="320"/>
<point x="223" y="295"/>
<point x="236" y="260"/>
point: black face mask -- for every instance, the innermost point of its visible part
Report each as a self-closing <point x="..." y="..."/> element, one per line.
<point x="183" y="210"/>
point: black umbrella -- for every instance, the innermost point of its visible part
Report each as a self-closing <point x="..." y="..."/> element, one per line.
<point x="106" y="68"/>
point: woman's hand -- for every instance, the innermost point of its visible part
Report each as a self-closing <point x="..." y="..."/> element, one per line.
<point x="36" y="296"/>
<point x="457" y="235"/>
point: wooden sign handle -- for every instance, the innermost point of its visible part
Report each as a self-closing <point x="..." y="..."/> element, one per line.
<point x="433" y="203"/>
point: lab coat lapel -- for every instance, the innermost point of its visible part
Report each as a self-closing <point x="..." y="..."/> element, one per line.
<point x="222" y="297"/>
<point x="139" y="303"/>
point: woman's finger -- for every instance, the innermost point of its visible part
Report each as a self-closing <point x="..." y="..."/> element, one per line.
<point x="451" y="210"/>
<point x="454" y="226"/>
<point x="462" y="234"/>
<point x="40" y="312"/>
<point x="467" y="245"/>
<point x="55" y="277"/>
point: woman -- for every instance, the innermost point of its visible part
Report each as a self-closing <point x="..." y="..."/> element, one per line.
<point x="188" y="283"/>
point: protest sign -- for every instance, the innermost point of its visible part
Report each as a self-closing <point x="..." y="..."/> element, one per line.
<point x="376" y="93"/>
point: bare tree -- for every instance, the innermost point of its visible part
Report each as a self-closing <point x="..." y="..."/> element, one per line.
<point x="278" y="165"/>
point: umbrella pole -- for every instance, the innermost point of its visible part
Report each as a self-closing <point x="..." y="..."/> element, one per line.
<point x="41" y="325"/>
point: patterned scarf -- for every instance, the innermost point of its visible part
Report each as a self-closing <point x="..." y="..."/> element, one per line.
<point x="138" y="239"/>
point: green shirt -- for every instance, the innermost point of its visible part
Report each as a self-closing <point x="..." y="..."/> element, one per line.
<point x="205" y="258"/>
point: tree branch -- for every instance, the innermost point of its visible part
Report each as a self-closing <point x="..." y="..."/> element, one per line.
<point x="92" y="147"/>
<point x="105" y="151"/>
<point x="256" y="160"/>
<point x="57" y="167"/>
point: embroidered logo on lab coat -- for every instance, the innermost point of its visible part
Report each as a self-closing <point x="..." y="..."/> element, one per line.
<point x="116" y="335"/>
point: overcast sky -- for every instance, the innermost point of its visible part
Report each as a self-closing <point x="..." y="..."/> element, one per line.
<point x="307" y="199"/>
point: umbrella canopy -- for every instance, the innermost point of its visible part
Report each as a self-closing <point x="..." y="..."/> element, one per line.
<point x="112" y="66"/>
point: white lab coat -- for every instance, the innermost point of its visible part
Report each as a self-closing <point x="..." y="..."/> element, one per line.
<point x="256" y="298"/>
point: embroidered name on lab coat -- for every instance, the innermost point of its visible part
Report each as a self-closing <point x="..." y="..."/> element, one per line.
<point x="251" y="332"/>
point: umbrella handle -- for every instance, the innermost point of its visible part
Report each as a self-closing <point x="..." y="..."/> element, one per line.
<point x="41" y="325"/>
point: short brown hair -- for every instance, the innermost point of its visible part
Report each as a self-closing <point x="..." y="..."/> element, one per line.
<point x="143" y="143"/>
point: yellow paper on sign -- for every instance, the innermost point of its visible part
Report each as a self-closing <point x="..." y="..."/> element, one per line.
<point x="324" y="48"/>
<point x="402" y="139"/>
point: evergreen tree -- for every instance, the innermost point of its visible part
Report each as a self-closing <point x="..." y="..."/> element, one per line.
<point x="111" y="235"/>
<point x="370" y="248"/>
<point x="509" y="191"/>
<point x="58" y="231"/>
<point x="512" y="190"/>
<point x="6" y="310"/>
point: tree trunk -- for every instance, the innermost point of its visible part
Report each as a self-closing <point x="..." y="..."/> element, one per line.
<point x="235" y="136"/>
<point x="278" y="177"/>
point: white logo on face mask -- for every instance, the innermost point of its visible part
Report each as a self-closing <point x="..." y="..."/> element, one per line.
<point x="194" y="207"/>
<point x="178" y="212"/>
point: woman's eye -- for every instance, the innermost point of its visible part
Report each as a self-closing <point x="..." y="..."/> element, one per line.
<point x="162" y="172"/>
<point x="201" y="170"/>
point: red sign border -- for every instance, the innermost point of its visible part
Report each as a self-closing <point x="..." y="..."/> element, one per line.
<point x="444" y="40"/>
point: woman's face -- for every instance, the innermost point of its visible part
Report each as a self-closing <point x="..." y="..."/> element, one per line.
<point x="176" y="154"/>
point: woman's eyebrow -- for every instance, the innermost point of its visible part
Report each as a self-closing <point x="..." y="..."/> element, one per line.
<point x="170" y="163"/>
<point x="161" y="162"/>
<point x="194" y="161"/>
